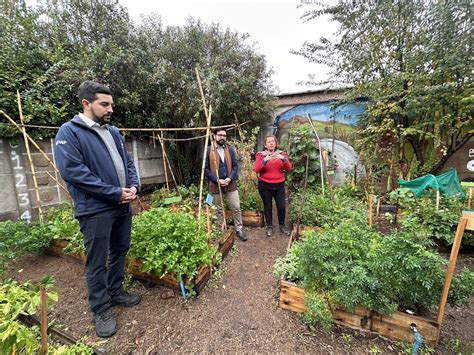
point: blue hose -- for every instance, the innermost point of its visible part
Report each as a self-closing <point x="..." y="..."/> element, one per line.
<point x="181" y="285"/>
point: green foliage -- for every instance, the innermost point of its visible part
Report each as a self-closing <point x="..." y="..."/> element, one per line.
<point x="52" y="47"/>
<point x="421" y="213"/>
<point x="323" y="212"/>
<point x="170" y="242"/>
<point x="303" y="146"/>
<point x="183" y="197"/>
<point x="318" y="310"/>
<point x="15" y="300"/>
<point x="18" y="238"/>
<point x="412" y="60"/>
<point x="250" y="199"/>
<point x="350" y="264"/>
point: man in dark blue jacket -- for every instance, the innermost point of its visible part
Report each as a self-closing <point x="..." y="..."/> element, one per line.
<point x="102" y="180"/>
<point x="222" y="171"/>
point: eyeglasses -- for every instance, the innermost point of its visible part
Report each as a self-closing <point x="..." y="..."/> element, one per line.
<point x="221" y="135"/>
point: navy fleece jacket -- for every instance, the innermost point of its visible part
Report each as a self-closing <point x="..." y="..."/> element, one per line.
<point x="87" y="168"/>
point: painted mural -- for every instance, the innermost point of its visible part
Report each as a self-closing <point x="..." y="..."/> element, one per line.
<point x="334" y="125"/>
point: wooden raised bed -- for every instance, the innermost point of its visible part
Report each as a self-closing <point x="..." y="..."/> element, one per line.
<point x="134" y="266"/>
<point x="253" y="219"/>
<point x="396" y="326"/>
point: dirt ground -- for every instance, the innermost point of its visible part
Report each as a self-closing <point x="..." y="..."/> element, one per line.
<point x="236" y="312"/>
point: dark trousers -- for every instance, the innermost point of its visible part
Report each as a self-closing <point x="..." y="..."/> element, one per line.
<point x="273" y="191"/>
<point x="107" y="240"/>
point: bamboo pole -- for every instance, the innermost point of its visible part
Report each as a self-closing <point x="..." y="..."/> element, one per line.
<point x="201" y="186"/>
<point x="371" y="202"/>
<point x="206" y="142"/>
<point x="125" y="129"/>
<point x="203" y="98"/>
<point x="44" y="321"/>
<point x="59" y="184"/>
<point x="27" y="146"/>
<point x="437" y="200"/>
<point x="31" y="140"/>
<point x="378" y="208"/>
<point x="469" y="198"/>
<point x="450" y="271"/>
<point x="164" y="161"/>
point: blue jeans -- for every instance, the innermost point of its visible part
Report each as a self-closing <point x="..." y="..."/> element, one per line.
<point x="107" y="240"/>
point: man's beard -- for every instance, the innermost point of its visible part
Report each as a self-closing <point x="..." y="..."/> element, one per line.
<point x="221" y="141"/>
<point x="101" y="120"/>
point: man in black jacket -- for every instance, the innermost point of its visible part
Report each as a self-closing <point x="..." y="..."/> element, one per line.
<point x="102" y="180"/>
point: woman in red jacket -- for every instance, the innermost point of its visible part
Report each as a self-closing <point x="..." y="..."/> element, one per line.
<point x="270" y="166"/>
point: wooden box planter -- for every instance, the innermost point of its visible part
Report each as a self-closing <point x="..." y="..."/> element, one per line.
<point x="395" y="326"/>
<point x="252" y="218"/>
<point x="134" y="266"/>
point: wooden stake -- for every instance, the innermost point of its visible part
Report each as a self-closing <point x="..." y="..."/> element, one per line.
<point x="437" y="200"/>
<point x="32" y="142"/>
<point x="27" y="146"/>
<point x="469" y="198"/>
<point x="44" y="321"/>
<point x="59" y="184"/>
<point x="164" y="160"/>
<point x="378" y="208"/>
<point x="371" y="203"/>
<point x="450" y="271"/>
<point x="206" y="142"/>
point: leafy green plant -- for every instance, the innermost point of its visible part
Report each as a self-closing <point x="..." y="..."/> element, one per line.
<point x="349" y="265"/>
<point x="303" y="146"/>
<point x="170" y="242"/>
<point x="15" y="300"/>
<point x="438" y="223"/>
<point x="320" y="211"/>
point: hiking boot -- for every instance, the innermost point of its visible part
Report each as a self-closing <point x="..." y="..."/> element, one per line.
<point x="269" y="231"/>
<point x="105" y="324"/>
<point x="125" y="299"/>
<point x="241" y="235"/>
<point x="285" y="231"/>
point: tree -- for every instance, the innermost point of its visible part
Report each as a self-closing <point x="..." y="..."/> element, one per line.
<point x="412" y="60"/>
<point x="48" y="50"/>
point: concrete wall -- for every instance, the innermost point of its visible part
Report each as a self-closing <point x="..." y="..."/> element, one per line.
<point x="16" y="179"/>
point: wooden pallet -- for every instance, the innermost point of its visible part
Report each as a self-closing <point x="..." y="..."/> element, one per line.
<point x="134" y="266"/>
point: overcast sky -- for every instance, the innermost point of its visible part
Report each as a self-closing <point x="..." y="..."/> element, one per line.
<point x="274" y="25"/>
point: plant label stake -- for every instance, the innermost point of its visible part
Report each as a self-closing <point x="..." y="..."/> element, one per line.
<point x="44" y="321"/>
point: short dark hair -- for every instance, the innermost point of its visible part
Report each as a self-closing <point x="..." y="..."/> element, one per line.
<point x="217" y="130"/>
<point x="88" y="90"/>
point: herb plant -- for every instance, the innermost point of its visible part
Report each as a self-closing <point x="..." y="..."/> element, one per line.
<point x="171" y="242"/>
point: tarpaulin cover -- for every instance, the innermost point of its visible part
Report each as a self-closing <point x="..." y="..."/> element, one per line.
<point x="447" y="183"/>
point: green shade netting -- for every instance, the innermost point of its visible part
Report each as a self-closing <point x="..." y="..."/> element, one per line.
<point x="447" y="183"/>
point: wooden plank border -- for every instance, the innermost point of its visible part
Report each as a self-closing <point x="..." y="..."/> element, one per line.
<point x="395" y="326"/>
<point x="133" y="267"/>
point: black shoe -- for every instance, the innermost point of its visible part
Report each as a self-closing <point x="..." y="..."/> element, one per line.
<point x="105" y="324"/>
<point x="125" y="299"/>
<point x="285" y="231"/>
<point x="269" y="231"/>
<point x="241" y="235"/>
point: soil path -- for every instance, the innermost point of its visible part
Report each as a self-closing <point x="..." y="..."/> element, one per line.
<point x="236" y="312"/>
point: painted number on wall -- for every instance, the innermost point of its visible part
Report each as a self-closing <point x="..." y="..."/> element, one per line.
<point x="20" y="184"/>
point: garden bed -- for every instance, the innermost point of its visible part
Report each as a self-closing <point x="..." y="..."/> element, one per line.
<point x="57" y="246"/>
<point x="396" y="326"/>
<point x="250" y="218"/>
